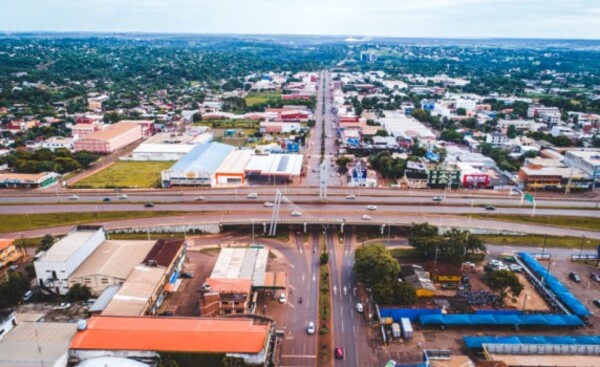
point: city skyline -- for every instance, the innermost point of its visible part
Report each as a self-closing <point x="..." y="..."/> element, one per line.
<point x="385" y="18"/>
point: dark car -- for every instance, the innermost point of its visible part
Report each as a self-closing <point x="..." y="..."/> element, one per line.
<point x="597" y="303"/>
<point x="338" y="353"/>
<point x="574" y="277"/>
<point x="106" y="199"/>
<point x="187" y="275"/>
<point x="148" y="205"/>
<point x="166" y="313"/>
<point x="490" y="207"/>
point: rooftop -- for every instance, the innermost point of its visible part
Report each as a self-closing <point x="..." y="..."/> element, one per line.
<point x="163" y="252"/>
<point x="64" y="249"/>
<point x="134" y="295"/>
<point x="229" y="285"/>
<point x="172" y="334"/>
<point x="5" y="243"/>
<point x="235" y="162"/>
<point x="114" y="131"/>
<point x="23" y="176"/>
<point x="242" y="263"/>
<point x="275" y="164"/>
<point x="204" y="158"/>
<point x="114" y="258"/>
<point x="32" y="344"/>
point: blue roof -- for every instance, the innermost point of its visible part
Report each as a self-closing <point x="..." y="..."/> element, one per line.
<point x="205" y="158"/>
<point x="489" y="319"/>
<point x="473" y="342"/>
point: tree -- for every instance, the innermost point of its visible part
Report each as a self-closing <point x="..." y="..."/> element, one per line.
<point x="85" y="158"/>
<point x="461" y="111"/>
<point x="374" y="264"/>
<point x="324" y="259"/>
<point x="342" y="163"/>
<point x="197" y="117"/>
<point x="382" y="132"/>
<point x="12" y="289"/>
<point x="505" y="283"/>
<point x="46" y="242"/>
<point x="404" y="294"/>
<point x="79" y="292"/>
<point x="452" y="246"/>
<point x="511" y="132"/>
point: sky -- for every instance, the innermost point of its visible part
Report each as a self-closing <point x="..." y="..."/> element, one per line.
<point x="396" y="18"/>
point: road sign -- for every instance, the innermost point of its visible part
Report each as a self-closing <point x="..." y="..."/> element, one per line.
<point x="529" y="198"/>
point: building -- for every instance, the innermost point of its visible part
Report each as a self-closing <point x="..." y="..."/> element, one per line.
<point x="466" y="104"/>
<point x="55" y="267"/>
<point x="518" y="124"/>
<point x="34" y="344"/>
<point x="417" y="277"/>
<point x="279" y="127"/>
<point x="274" y="166"/>
<point x="9" y="252"/>
<point x="110" y="264"/>
<point x="226" y="297"/>
<point x="111" y="139"/>
<point x="586" y="160"/>
<point x="81" y="130"/>
<point x="148" y="284"/>
<point x="444" y="272"/>
<point x="198" y="167"/>
<point x="58" y="142"/>
<point x="539" y="178"/>
<point x="472" y="177"/>
<point x="496" y="139"/>
<point x="538" y="110"/>
<point x="7" y="322"/>
<point x="444" y="176"/>
<point x="145" y="338"/>
<point x="428" y="105"/>
<point x="232" y="170"/>
<point x="399" y="124"/>
<point x="27" y="180"/>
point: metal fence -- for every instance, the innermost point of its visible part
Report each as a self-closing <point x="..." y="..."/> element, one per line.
<point x="543" y="349"/>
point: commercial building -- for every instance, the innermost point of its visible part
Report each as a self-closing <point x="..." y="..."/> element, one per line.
<point x="417" y="277"/>
<point x="398" y="124"/>
<point x="111" y="139"/>
<point x="27" y="180"/>
<point x="110" y="264"/>
<point x="9" y="252"/>
<point x="55" y="267"/>
<point x="232" y="170"/>
<point x="145" y="338"/>
<point x="79" y="131"/>
<point x="198" y="167"/>
<point x="539" y="177"/>
<point x="58" y="142"/>
<point x="585" y="160"/>
<point x="279" y="127"/>
<point x="148" y="283"/>
<point x="275" y="166"/>
<point x="472" y="177"/>
<point x="34" y="344"/>
<point x="226" y="297"/>
<point x="496" y="139"/>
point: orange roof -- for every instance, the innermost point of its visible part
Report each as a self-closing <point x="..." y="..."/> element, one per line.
<point x="229" y="285"/>
<point x="172" y="334"/>
<point x="5" y="243"/>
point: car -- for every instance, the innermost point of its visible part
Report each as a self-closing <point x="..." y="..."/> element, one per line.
<point x="366" y="217"/>
<point x="187" y="275"/>
<point x="27" y="296"/>
<point x="371" y="207"/>
<point x="13" y="268"/>
<point x="449" y="285"/>
<point x="338" y="353"/>
<point x="295" y="214"/>
<point x="282" y="297"/>
<point x="437" y="198"/>
<point x="252" y="195"/>
<point x="341" y="219"/>
<point x="595" y="276"/>
<point x="73" y="197"/>
<point x="495" y="263"/>
<point x="359" y="307"/>
<point x="123" y="197"/>
<point x="597" y="302"/>
<point x="574" y="277"/>
<point x="310" y="329"/>
<point x="468" y="264"/>
<point x="62" y="306"/>
<point x="516" y="268"/>
<point x="490" y="207"/>
<point x="148" y="205"/>
<point x="106" y="199"/>
<point x="351" y="197"/>
<point x="268" y="204"/>
<point x="200" y="198"/>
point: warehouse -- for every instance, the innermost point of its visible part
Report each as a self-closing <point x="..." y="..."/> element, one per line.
<point x="232" y="170"/>
<point x="168" y="147"/>
<point x="198" y="167"/>
<point x="27" y="180"/>
<point x="274" y="166"/>
<point x="111" y="139"/>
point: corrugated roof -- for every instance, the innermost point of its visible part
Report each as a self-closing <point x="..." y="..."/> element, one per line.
<point x="242" y="263"/>
<point x="229" y="285"/>
<point x="205" y="158"/>
<point x="235" y="162"/>
<point x="64" y="249"/>
<point x="173" y="334"/>
<point x="114" y="131"/>
<point x="114" y="259"/>
<point x="5" y="243"/>
<point x="276" y="164"/>
<point x="105" y="298"/>
<point x="134" y="295"/>
<point x="163" y="252"/>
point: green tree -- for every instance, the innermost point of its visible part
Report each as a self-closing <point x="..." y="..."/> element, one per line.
<point x="511" y="132"/>
<point x="342" y="163"/>
<point x="79" y="292"/>
<point x="382" y="132"/>
<point x="374" y="264"/>
<point x="505" y="283"/>
<point x="85" y="158"/>
<point x="64" y="165"/>
<point x="46" y="242"/>
<point x="461" y="111"/>
<point x="324" y="258"/>
<point x="12" y="289"/>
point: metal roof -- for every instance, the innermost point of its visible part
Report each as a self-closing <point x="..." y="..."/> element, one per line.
<point x="276" y="164"/>
<point x="242" y="263"/>
<point x="205" y="158"/>
<point x="62" y="250"/>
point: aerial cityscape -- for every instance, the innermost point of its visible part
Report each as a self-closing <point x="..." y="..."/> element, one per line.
<point x="332" y="188"/>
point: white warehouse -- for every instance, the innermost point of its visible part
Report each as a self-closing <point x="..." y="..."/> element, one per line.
<point x="64" y="257"/>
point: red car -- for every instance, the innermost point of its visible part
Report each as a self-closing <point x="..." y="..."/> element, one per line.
<point x="338" y="353"/>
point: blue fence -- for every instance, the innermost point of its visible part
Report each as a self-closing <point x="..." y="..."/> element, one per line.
<point x="505" y="320"/>
<point x="411" y="313"/>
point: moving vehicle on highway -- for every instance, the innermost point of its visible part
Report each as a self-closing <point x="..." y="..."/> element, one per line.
<point x="148" y="205"/>
<point x="107" y="199"/>
<point x="295" y="214"/>
<point x="282" y="297"/>
<point x="252" y="195"/>
<point x="351" y="197"/>
<point x="123" y="197"/>
<point x="268" y="204"/>
<point x="437" y="198"/>
<point x="366" y="217"/>
<point x="73" y="197"/>
<point x="359" y="307"/>
<point x="371" y="207"/>
<point x="200" y="198"/>
<point x="310" y="329"/>
<point x="338" y="353"/>
<point x="490" y="207"/>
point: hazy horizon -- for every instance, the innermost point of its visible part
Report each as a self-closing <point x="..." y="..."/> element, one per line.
<point x="452" y="19"/>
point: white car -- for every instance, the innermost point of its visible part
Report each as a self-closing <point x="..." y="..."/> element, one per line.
<point x="63" y="306"/>
<point x="351" y="197"/>
<point x="359" y="307"/>
<point x="295" y="214"/>
<point x="366" y="217"/>
<point x="200" y="198"/>
<point x="122" y="196"/>
<point x="437" y="198"/>
<point x="310" y="329"/>
<point x="268" y="204"/>
<point x="73" y="197"/>
<point x="371" y="207"/>
<point x="252" y="195"/>
<point x="282" y="297"/>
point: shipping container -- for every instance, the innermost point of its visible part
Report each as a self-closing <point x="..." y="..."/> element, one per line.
<point x="396" y="330"/>
<point x="407" y="330"/>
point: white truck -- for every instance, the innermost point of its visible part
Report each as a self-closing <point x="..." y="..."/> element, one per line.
<point x="396" y="330"/>
<point x="407" y="330"/>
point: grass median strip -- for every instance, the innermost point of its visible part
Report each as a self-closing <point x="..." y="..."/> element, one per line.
<point x="23" y="222"/>
<point x="587" y="223"/>
<point x="538" y="241"/>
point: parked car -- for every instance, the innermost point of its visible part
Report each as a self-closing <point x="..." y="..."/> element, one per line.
<point x="371" y="207"/>
<point x="252" y="195"/>
<point x="350" y="197"/>
<point x="13" y="268"/>
<point x="106" y="199"/>
<point x="448" y="285"/>
<point x="187" y="275"/>
<point x="282" y="297"/>
<point x="597" y="303"/>
<point x="437" y="198"/>
<point x="595" y="276"/>
<point x="516" y="268"/>
<point x="148" y="205"/>
<point x="359" y="307"/>
<point x="574" y="277"/>
<point x="62" y="306"/>
<point x="27" y="296"/>
<point x="338" y="353"/>
<point x="310" y="329"/>
<point x="73" y="197"/>
<point x="490" y="207"/>
<point x="295" y="214"/>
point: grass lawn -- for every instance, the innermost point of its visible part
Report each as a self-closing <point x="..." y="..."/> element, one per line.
<point x="538" y="241"/>
<point x="22" y="222"/>
<point x="571" y="222"/>
<point x="144" y="236"/>
<point x="324" y="326"/>
<point x="126" y="175"/>
<point x="261" y="97"/>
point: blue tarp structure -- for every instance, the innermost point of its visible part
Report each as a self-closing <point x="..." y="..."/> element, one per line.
<point x="561" y="292"/>
<point x="476" y="342"/>
<point x="410" y="313"/>
<point x="489" y="319"/>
